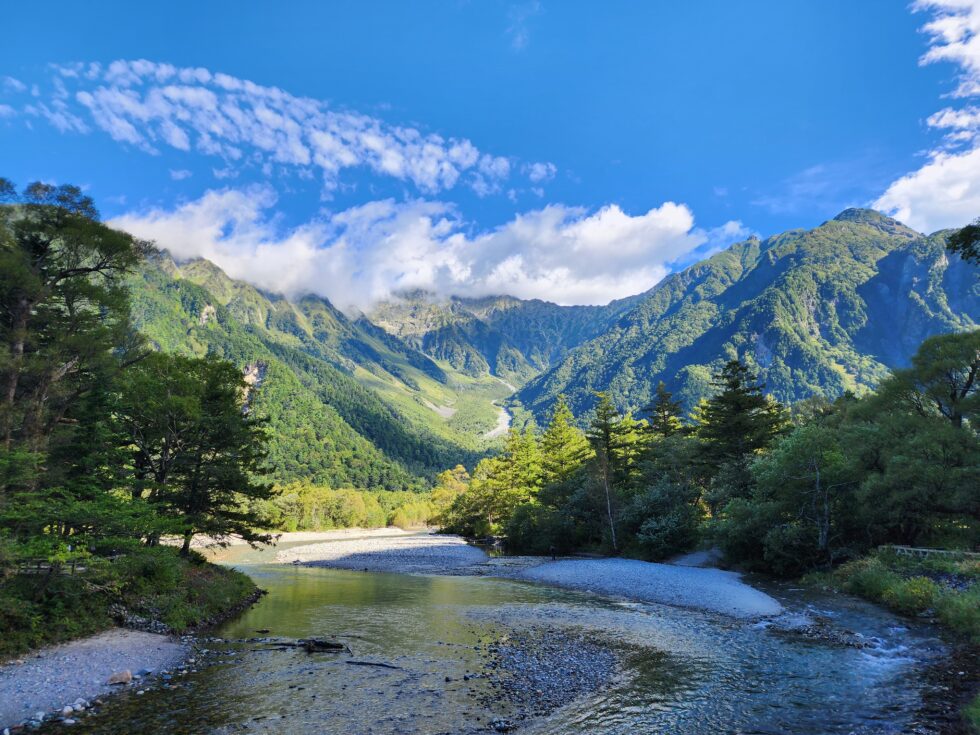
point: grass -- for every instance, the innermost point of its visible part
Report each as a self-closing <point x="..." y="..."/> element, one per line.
<point x="41" y="609"/>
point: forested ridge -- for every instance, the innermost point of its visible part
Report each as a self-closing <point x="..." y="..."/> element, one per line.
<point x="813" y="312"/>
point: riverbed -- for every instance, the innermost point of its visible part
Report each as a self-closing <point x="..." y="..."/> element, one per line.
<point x="439" y="642"/>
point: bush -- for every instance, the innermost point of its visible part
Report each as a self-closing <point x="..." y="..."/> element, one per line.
<point x="972" y="714"/>
<point x="960" y="611"/>
<point x="537" y="529"/>
<point x="911" y="596"/>
<point x="867" y="578"/>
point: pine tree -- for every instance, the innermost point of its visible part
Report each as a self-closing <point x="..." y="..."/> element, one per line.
<point x="603" y="435"/>
<point x="734" y="425"/>
<point x="740" y="419"/>
<point x="665" y="413"/>
<point x="563" y="446"/>
<point x="196" y="453"/>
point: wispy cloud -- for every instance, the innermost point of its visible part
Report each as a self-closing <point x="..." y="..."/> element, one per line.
<point x="518" y="23"/>
<point x="154" y="106"/>
<point x="826" y="188"/>
<point x="371" y="252"/>
<point x="945" y="191"/>
<point x="180" y="174"/>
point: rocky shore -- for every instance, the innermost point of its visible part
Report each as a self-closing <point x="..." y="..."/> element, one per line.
<point x="67" y="680"/>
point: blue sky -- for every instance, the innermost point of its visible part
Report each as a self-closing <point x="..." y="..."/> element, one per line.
<point x="566" y="150"/>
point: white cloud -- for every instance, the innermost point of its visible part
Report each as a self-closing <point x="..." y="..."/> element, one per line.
<point x="371" y="252"/>
<point x="180" y="174"/>
<point x="155" y="106"/>
<point x="7" y="111"/>
<point x="537" y="172"/>
<point x="945" y="191"/>
<point x="9" y="84"/>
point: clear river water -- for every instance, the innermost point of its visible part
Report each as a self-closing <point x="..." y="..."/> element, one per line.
<point x="682" y="671"/>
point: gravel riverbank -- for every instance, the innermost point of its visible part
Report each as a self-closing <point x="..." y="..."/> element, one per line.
<point x="713" y="590"/>
<point x="60" y="676"/>
<point x="431" y="554"/>
<point x="708" y="589"/>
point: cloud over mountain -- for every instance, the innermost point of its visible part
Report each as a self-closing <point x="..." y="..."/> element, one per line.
<point x="370" y="252"/>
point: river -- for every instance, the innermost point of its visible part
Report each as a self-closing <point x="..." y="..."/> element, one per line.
<point x="682" y="671"/>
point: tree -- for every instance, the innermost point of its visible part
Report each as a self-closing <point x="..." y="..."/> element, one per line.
<point x="196" y="453"/>
<point x="966" y="242"/>
<point x="664" y="413"/>
<point x="563" y="446"/>
<point x="64" y="323"/>
<point x="450" y="484"/>
<point x="64" y="309"/>
<point x="809" y="482"/>
<point x="603" y="435"/>
<point x="944" y="379"/>
<point x="734" y="425"/>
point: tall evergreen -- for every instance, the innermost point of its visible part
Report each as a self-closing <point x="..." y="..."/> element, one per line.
<point x="603" y="435"/>
<point x="563" y="445"/>
<point x="734" y="425"/>
<point x="665" y="413"/>
<point x="196" y="453"/>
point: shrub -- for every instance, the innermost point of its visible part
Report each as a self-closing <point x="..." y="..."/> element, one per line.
<point x="911" y="596"/>
<point x="960" y="611"/>
<point x="867" y="578"/>
<point x="536" y="529"/>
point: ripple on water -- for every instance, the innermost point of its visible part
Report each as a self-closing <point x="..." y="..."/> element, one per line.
<point x="682" y="671"/>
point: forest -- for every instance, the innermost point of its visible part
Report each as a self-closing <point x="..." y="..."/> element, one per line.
<point x="107" y="448"/>
<point x="784" y="490"/>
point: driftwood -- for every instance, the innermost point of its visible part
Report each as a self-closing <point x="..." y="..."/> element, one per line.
<point x="310" y="645"/>
<point x="320" y="645"/>
<point x="373" y="663"/>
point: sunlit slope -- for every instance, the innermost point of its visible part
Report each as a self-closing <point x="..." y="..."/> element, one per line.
<point x="815" y="312"/>
<point x="348" y="403"/>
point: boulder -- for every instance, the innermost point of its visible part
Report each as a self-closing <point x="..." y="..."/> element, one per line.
<point x="121" y="677"/>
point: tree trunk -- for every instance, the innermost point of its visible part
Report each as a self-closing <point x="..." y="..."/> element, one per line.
<point x="185" y="550"/>
<point x="609" y="513"/>
<point x="19" y="335"/>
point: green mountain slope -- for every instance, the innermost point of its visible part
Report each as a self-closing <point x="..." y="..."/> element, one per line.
<point x="816" y="311"/>
<point x="348" y="404"/>
<point x="503" y="336"/>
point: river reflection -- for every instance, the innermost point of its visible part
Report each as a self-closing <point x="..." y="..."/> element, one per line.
<point x="687" y="672"/>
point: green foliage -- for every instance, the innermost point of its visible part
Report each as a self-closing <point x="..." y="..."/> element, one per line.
<point x="893" y="467"/>
<point x="39" y="609"/>
<point x="966" y="242"/>
<point x="811" y="312"/>
<point x="734" y="425"/>
<point x="304" y="506"/>
<point x="102" y="447"/>
<point x="563" y="446"/>
<point x="196" y="453"/>
<point x="911" y="596"/>
<point x="960" y="612"/>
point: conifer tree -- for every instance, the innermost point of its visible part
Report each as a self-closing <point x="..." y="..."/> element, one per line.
<point x="603" y="435"/>
<point x="665" y="413"/>
<point x="563" y="445"/>
<point x="735" y="424"/>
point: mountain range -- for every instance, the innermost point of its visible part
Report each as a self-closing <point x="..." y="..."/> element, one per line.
<point x="387" y="398"/>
